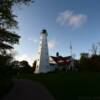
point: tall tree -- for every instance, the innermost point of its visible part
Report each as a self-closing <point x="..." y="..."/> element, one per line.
<point x="94" y="49"/>
<point x="8" y="22"/>
<point x="25" y="66"/>
<point x="34" y="65"/>
<point x="8" y="38"/>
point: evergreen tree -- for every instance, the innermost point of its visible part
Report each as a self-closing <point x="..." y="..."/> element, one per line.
<point x="8" y="38"/>
<point x="8" y="22"/>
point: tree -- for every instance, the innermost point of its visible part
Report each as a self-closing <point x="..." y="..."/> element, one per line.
<point x="84" y="62"/>
<point x="25" y="66"/>
<point x="7" y="18"/>
<point x="24" y="63"/>
<point x="8" y="38"/>
<point x="8" y="22"/>
<point x="99" y="47"/>
<point x="34" y="65"/>
<point x="94" y="49"/>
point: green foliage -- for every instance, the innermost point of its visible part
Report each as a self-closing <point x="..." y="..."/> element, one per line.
<point x="8" y="36"/>
<point x="7" y="39"/>
<point x="94" y="49"/>
<point x="34" y="65"/>
<point x="84" y="61"/>
<point x="5" y="87"/>
<point x="6" y="73"/>
<point x="95" y="63"/>
<point x="25" y="67"/>
<point x="7" y="18"/>
<point x="90" y="63"/>
<point x="68" y="85"/>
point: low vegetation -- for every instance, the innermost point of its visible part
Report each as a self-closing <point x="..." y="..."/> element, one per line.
<point x="70" y="85"/>
<point x="8" y="38"/>
<point x="64" y="86"/>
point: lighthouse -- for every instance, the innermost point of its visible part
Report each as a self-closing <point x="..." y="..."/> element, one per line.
<point x="43" y="55"/>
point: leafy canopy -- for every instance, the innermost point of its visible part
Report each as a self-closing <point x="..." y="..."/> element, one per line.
<point x="7" y="22"/>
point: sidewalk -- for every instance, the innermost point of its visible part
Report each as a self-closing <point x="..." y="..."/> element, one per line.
<point x="28" y="90"/>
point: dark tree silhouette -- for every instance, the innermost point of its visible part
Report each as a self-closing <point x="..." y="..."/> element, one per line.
<point x="34" y="65"/>
<point x="25" y="67"/>
<point x="91" y="63"/>
<point x="8" y="38"/>
<point x="8" y="22"/>
<point x="24" y="63"/>
<point x="94" y="49"/>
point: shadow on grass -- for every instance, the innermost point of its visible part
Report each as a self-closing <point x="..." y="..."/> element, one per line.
<point x="69" y="86"/>
<point x="5" y="87"/>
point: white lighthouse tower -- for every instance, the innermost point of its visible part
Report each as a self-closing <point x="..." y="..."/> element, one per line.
<point x="43" y="55"/>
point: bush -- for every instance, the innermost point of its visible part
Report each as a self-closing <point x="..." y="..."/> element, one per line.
<point x="90" y="64"/>
<point x="6" y="74"/>
<point x="5" y="87"/>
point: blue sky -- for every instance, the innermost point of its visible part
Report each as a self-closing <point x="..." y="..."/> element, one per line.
<point x="77" y="21"/>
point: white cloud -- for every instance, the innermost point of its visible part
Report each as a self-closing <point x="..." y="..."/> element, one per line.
<point x="64" y="16"/>
<point x="77" y="20"/>
<point x="34" y="40"/>
<point x="52" y="44"/>
<point x="25" y="57"/>
<point x="71" y="19"/>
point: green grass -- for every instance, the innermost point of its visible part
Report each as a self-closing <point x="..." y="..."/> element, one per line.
<point x="70" y="85"/>
<point x="5" y="87"/>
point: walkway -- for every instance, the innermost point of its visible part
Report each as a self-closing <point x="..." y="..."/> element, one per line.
<point x="28" y="90"/>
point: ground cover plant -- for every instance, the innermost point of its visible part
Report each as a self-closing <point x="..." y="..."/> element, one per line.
<point x="69" y="86"/>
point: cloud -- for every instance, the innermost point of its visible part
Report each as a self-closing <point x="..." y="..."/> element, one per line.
<point x="34" y="40"/>
<point x="52" y="44"/>
<point x="71" y="19"/>
<point x="25" y="57"/>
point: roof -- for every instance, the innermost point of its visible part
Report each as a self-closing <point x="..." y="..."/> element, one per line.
<point x="61" y="60"/>
<point x="44" y="31"/>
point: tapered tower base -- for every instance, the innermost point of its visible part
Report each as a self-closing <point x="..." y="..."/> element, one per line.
<point x="43" y="55"/>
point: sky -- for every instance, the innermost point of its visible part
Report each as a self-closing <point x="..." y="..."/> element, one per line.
<point x="77" y="21"/>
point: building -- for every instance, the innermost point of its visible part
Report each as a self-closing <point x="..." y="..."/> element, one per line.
<point x="61" y="63"/>
<point x="43" y="55"/>
<point x="84" y="55"/>
<point x="46" y="63"/>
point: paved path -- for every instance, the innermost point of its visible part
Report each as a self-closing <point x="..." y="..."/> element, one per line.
<point x="28" y="90"/>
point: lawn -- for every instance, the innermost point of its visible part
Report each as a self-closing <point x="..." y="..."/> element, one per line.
<point x="70" y="85"/>
<point x="5" y="87"/>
